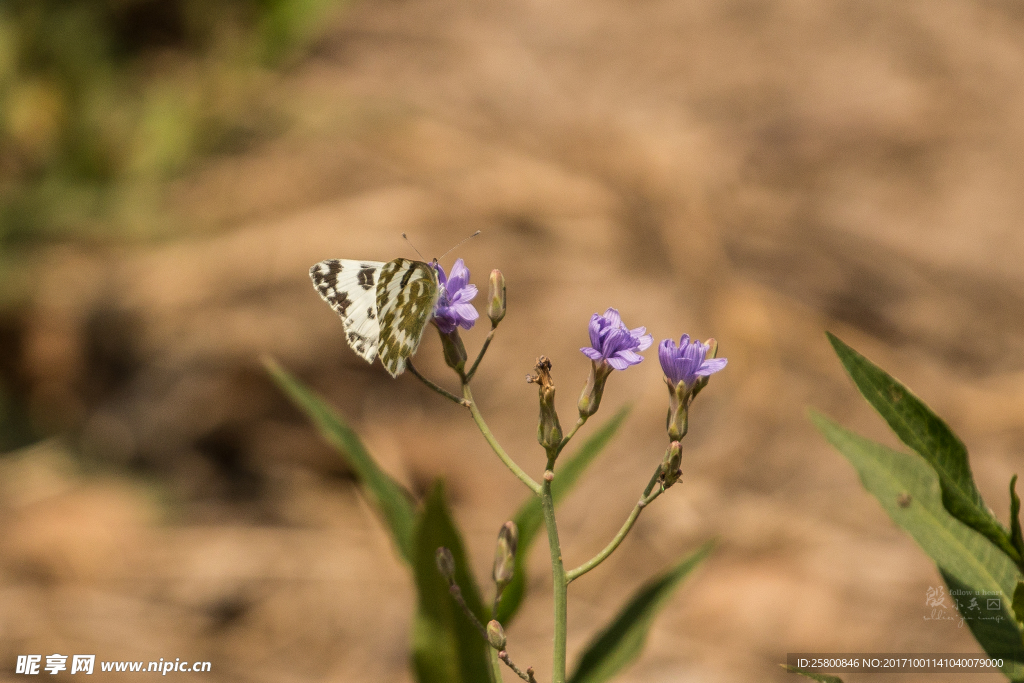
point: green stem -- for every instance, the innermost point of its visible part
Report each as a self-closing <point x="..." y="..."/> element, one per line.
<point x="558" y="579"/>
<point x="456" y="593"/>
<point x="496" y="604"/>
<point x="480" y="356"/>
<point x="576" y="428"/>
<point x="654" y="480"/>
<point x="495" y="665"/>
<point x="644" y="501"/>
<point x="495" y="446"/>
<point x="443" y="392"/>
<point x="526" y="676"/>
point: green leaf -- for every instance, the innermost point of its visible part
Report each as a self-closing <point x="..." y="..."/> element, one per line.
<point x="1015" y="533"/>
<point x="622" y="641"/>
<point x="925" y="432"/>
<point x="388" y="497"/>
<point x="908" y="489"/>
<point x="530" y="517"/>
<point x="821" y="678"/>
<point x="447" y="647"/>
<point x="1018" y="603"/>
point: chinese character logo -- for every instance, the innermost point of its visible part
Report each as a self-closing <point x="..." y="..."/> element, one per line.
<point x="936" y="597"/>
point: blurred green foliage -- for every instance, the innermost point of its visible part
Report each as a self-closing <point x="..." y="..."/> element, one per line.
<point x="100" y="100"/>
<point x="103" y="101"/>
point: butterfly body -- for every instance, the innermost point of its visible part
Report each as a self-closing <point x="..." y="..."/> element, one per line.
<point x="384" y="307"/>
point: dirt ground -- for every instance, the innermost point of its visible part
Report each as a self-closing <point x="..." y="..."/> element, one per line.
<point x="757" y="171"/>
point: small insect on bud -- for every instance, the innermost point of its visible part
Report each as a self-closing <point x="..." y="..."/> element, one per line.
<point x="496" y="295"/>
<point x="496" y="635"/>
<point x="445" y="563"/>
<point x="505" y="554"/>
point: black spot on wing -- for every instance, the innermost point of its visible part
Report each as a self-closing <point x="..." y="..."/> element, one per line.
<point x="340" y="302"/>
<point x="357" y="342"/>
<point x="408" y="274"/>
<point x="325" y="278"/>
<point x="366" y="274"/>
<point x="371" y="313"/>
<point x="325" y="271"/>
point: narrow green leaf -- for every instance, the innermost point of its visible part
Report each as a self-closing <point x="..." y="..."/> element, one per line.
<point x="622" y="641"/>
<point x="1015" y="532"/>
<point x="389" y="498"/>
<point x="447" y="648"/>
<point x="821" y="678"/>
<point x="908" y="489"/>
<point x="922" y="430"/>
<point x="530" y="518"/>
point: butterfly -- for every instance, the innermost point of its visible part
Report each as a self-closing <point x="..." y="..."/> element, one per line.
<point x="384" y="307"/>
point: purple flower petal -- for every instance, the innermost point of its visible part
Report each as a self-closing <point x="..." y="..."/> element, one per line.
<point x="618" y="363"/>
<point x="597" y="324"/>
<point x="612" y="342"/>
<point x="453" y="308"/>
<point x="632" y="357"/>
<point x="467" y="293"/>
<point x="686" y="362"/>
<point x="459" y="277"/>
<point x="465" y="312"/>
<point x="711" y="366"/>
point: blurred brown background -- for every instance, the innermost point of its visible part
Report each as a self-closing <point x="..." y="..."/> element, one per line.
<point x="758" y="171"/>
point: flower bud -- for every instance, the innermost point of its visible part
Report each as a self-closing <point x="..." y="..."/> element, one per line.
<point x="445" y="563"/>
<point x="496" y="295"/>
<point x="590" y="399"/>
<point x="549" y="431"/>
<point x="670" y="472"/>
<point x="687" y="368"/>
<point x="454" y="351"/>
<point x="678" y="421"/>
<point x="505" y="554"/>
<point x="496" y="635"/>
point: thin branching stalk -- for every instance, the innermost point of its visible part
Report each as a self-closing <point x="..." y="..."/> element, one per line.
<point x="495" y="446"/>
<point x="650" y="493"/>
<point x="526" y="676"/>
<point x="461" y="401"/>
<point x="579" y="423"/>
<point x="456" y="592"/>
<point x="557" y="576"/>
<point x="480" y="356"/>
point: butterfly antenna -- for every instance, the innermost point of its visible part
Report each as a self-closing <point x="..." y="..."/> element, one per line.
<point x="459" y="245"/>
<point x="406" y="238"/>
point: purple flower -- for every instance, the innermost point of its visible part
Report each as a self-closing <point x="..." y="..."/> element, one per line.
<point x="453" y="308"/>
<point x="611" y="341"/>
<point x="688" y="361"/>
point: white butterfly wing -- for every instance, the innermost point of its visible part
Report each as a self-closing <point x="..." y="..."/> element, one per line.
<point x="406" y="295"/>
<point x="350" y="287"/>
